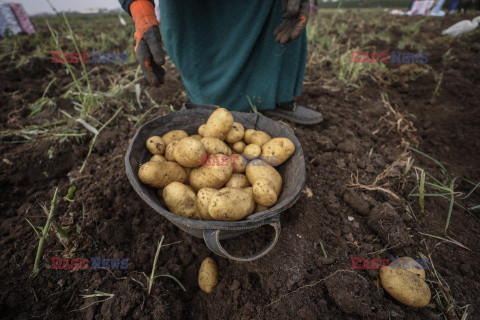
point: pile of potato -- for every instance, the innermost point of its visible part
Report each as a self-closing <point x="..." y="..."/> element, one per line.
<point x="222" y="173"/>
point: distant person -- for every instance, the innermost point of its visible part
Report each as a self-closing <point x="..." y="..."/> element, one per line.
<point x="464" y="5"/>
<point x="437" y="9"/>
<point x="453" y="6"/>
<point x="229" y="53"/>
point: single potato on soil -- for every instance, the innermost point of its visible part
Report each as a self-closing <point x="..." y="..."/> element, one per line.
<point x="208" y="275"/>
<point x="405" y="286"/>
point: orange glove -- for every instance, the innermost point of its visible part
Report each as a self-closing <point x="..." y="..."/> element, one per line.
<point x="148" y="41"/>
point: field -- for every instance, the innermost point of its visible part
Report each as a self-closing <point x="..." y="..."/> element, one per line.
<point x="392" y="171"/>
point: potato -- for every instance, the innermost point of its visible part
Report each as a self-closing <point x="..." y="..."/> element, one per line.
<point x="249" y="190"/>
<point x="236" y="133"/>
<point x="203" y="198"/>
<point x="247" y="136"/>
<point x="277" y="150"/>
<point x="174" y="135"/>
<point x="180" y="200"/>
<point x="405" y="286"/>
<point x="170" y="151"/>
<point x="160" y="174"/>
<point x="252" y="151"/>
<point x="239" y="146"/>
<point x="156" y="145"/>
<point x="215" y="146"/>
<point x="208" y="275"/>
<point x="189" y="152"/>
<point x="157" y="158"/>
<point x="239" y="163"/>
<point x="196" y="136"/>
<point x="213" y="174"/>
<point x="218" y="124"/>
<point x="230" y="204"/>
<point x="260" y="208"/>
<point x="201" y="130"/>
<point x="264" y="192"/>
<point x="260" y="138"/>
<point x="238" y="180"/>
<point x="407" y="263"/>
<point x="257" y="169"/>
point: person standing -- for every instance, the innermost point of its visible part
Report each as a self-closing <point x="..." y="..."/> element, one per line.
<point x="229" y="53"/>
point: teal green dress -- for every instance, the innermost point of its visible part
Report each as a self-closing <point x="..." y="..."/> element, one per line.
<point x="227" y="54"/>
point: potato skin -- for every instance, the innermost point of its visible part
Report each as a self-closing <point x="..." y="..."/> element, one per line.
<point x="189" y="152"/>
<point x="249" y="190"/>
<point x="239" y="146"/>
<point x="238" y="180"/>
<point x="201" y="130"/>
<point x="252" y="151"/>
<point x="277" y="150"/>
<point x="405" y="287"/>
<point x="156" y="145"/>
<point x="231" y="204"/>
<point x="160" y="174"/>
<point x="407" y="263"/>
<point x="218" y="124"/>
<point x="247" y="136"/>
<point x="208" y="275"/>
<point x="213" y="174"/>
<point x="258" y="168"/>
<point x="181" y="200"/>
<point x="239" y="163"/>
<point x="173" y="135"/>
<point x="196" y="136"/>
<point x="236" y="133"/>
<point x="170" y="151"/>
<point x="203" y="198"/>
<point x="260" y="138"/>
<point x="264" y="192"/>
<point x="157" y="158"/>
<point x="216" y="146"/>
<point x="260" y="208"/>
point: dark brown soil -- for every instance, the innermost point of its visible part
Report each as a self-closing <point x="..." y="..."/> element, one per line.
<point x="295" y="280"/>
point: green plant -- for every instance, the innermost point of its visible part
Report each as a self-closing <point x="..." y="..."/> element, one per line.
<point x="152" y="274"/>
<point x="438" y="187"/>
<point x="43" y="235"/>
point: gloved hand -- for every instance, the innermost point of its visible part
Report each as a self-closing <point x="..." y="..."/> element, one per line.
<point x="295" y="19"/>
<point x="149" y="41"/>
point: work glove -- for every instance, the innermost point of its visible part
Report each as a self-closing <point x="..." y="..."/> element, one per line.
<point x="148" y="41"/>
<point x="295" y="17"/>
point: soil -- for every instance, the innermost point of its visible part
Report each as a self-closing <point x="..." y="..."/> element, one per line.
<point x="359" y="139"/>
